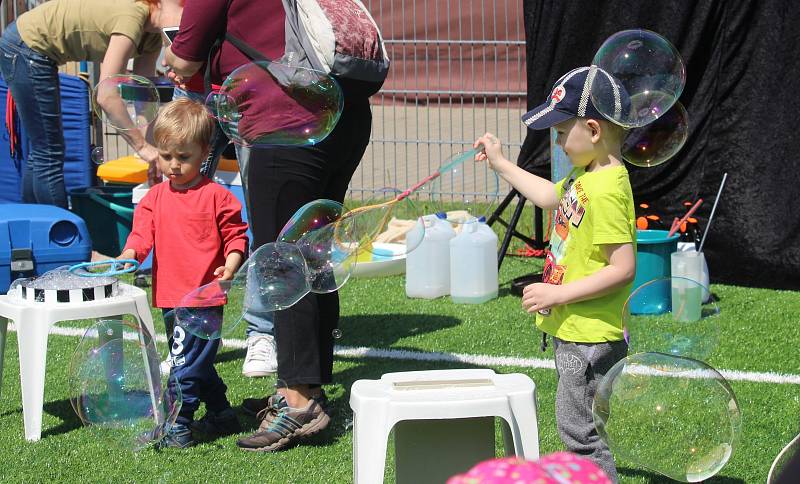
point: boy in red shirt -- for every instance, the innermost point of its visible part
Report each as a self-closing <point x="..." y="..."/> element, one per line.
<point x="196" y="231"/>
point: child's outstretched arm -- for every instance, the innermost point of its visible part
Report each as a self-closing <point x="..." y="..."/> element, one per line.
<point x="620" y="270"/>
<point x="232" y="263"/>
<point x="539" y="191"/>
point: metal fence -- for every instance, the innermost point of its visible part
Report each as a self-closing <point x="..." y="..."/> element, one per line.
<point x="458" y="70"/>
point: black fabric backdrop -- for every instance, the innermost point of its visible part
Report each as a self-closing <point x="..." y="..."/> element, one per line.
<point x="743" y="98"/>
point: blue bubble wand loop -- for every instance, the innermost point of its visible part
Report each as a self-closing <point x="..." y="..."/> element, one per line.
<point x="116" y="267"/>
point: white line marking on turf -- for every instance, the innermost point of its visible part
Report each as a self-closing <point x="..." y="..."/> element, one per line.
<point x="434" y="356"/>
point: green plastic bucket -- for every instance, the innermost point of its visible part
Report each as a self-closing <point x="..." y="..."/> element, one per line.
<point x="653" y="254"/>
<point x="108" y="212"/>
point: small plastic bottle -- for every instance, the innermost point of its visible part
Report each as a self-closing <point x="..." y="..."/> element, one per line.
<point x="473" y="264"/>
<point x="428" y="265"/>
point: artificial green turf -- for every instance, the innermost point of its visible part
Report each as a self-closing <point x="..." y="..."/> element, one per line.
<point x="758" y="328"/>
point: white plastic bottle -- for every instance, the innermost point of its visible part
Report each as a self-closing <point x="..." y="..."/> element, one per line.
<point x="428" y="265"/>
<point x="473" y="264"/>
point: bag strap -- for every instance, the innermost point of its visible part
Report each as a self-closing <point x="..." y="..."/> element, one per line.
<point x="245" y="48"/>
<point x="207" y="73"/>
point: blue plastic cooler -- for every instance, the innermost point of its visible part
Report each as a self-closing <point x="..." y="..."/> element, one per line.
<point x="37" y="238"/>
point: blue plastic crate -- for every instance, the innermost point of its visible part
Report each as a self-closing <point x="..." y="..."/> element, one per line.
<point x="35" y="239"/>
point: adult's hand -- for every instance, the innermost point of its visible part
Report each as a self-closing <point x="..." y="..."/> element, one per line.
<point x="149" y="154"/>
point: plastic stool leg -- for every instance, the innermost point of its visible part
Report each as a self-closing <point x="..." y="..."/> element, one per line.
<point x="509" y="448"/>
<point x="525" y="427"/>
<point x="144" y="315"/>
<point x="32" y="342"/>
<point x="3" y="332"/>
<point x="370" y="437"/>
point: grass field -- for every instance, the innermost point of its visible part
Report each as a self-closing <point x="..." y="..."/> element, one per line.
<point x="759" y="329"/>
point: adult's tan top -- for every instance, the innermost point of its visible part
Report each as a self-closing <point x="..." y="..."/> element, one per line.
<point x="80" y="30"/>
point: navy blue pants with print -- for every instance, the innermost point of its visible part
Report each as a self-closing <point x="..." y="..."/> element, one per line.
<point x="193" y="366"/>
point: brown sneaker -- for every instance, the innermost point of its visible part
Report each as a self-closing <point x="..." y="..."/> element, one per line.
<point x="287" y="426"/>
<point x="254" y="406"/>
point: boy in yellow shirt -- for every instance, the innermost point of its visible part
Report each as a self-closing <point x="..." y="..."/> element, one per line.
<point x="591" y="262"/>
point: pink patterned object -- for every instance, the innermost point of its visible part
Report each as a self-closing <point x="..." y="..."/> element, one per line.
<point x="558" y="468"/>
<point x="354" y="37"/>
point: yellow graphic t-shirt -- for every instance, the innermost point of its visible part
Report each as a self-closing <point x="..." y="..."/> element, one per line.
<point x="596" y="208"/>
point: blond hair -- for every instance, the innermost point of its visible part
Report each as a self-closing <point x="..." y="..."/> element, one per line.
<point x="616" y="133"/>
<point x="183" y="121"/>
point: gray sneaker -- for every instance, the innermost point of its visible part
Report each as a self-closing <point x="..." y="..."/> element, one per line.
<point x="287" y="426"/>
<point x="179" y="436"/>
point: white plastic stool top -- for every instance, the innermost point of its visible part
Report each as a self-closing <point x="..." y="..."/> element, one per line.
<point x="438" y="394"/>
<point x="33" y="321"/>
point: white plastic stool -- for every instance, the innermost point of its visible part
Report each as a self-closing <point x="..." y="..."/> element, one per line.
<point x="33" y="321"/>
<point x="458" y="407"/>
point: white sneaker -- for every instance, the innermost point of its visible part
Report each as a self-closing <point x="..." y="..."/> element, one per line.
<point x="261" y="359"/>
<point x="166" y="366"/>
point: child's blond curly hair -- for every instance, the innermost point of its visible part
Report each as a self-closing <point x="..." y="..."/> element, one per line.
<point x="183" y="121"/>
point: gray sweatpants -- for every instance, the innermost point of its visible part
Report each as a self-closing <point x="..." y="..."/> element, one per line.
<point x="580" y="367"/>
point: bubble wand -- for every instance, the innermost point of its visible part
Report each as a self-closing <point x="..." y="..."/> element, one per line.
<point x="713" y="209"/>
<point x="457" y="160"/>
<point x="389" y="205"/>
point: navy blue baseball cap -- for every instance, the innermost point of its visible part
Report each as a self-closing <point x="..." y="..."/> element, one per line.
<point x="571" y="98"/>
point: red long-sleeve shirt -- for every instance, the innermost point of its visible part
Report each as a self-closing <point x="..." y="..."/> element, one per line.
<point x="192" y="232"/>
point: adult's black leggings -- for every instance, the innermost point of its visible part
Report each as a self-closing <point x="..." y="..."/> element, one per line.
<point x="280" y="181"/>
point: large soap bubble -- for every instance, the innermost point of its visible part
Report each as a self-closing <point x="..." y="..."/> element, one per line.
<point x="126" y="101"/>
<point x="214" y="309"/>
<point x="116" y="387"/>
<point x="311" y="216"/>
<point x="329" y="262"/>
<point x="381" y="219"/>
<point x="667" y="315"/>
<point x="676" y="416"/>
<point x="267" y="104"/>
<point x="272" y="278"/>
<point x="647" y="67"/>
<point x="657" y="142"/>
<point x="276" y="275"/>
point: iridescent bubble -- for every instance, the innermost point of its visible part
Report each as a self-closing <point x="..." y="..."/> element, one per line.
<point x="98" y="156"/>
<point x="658" y="141"/>
<point x="276" y="277"/>
<point x="126" y="101"/>
<point x="272" y="278"/>
<point x="116" y="387"/>
<point x="267" y="104"/>
<point x="667" y="315"/>
<point x="213" y="100"/>
<point x="676" y="416"/>
<point x="465" y="189"/>
<point x="213" y="310"/>
<point x="311" y="216"/>
<point x="383" y="220"/>
<point x="337" y="333"/>
<point x="646" y="67"/>
<point x="329" y="262"/>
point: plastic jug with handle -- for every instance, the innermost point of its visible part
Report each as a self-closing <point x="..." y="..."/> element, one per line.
<point x="473" y="264"/>
<point x="428" y="265"/>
